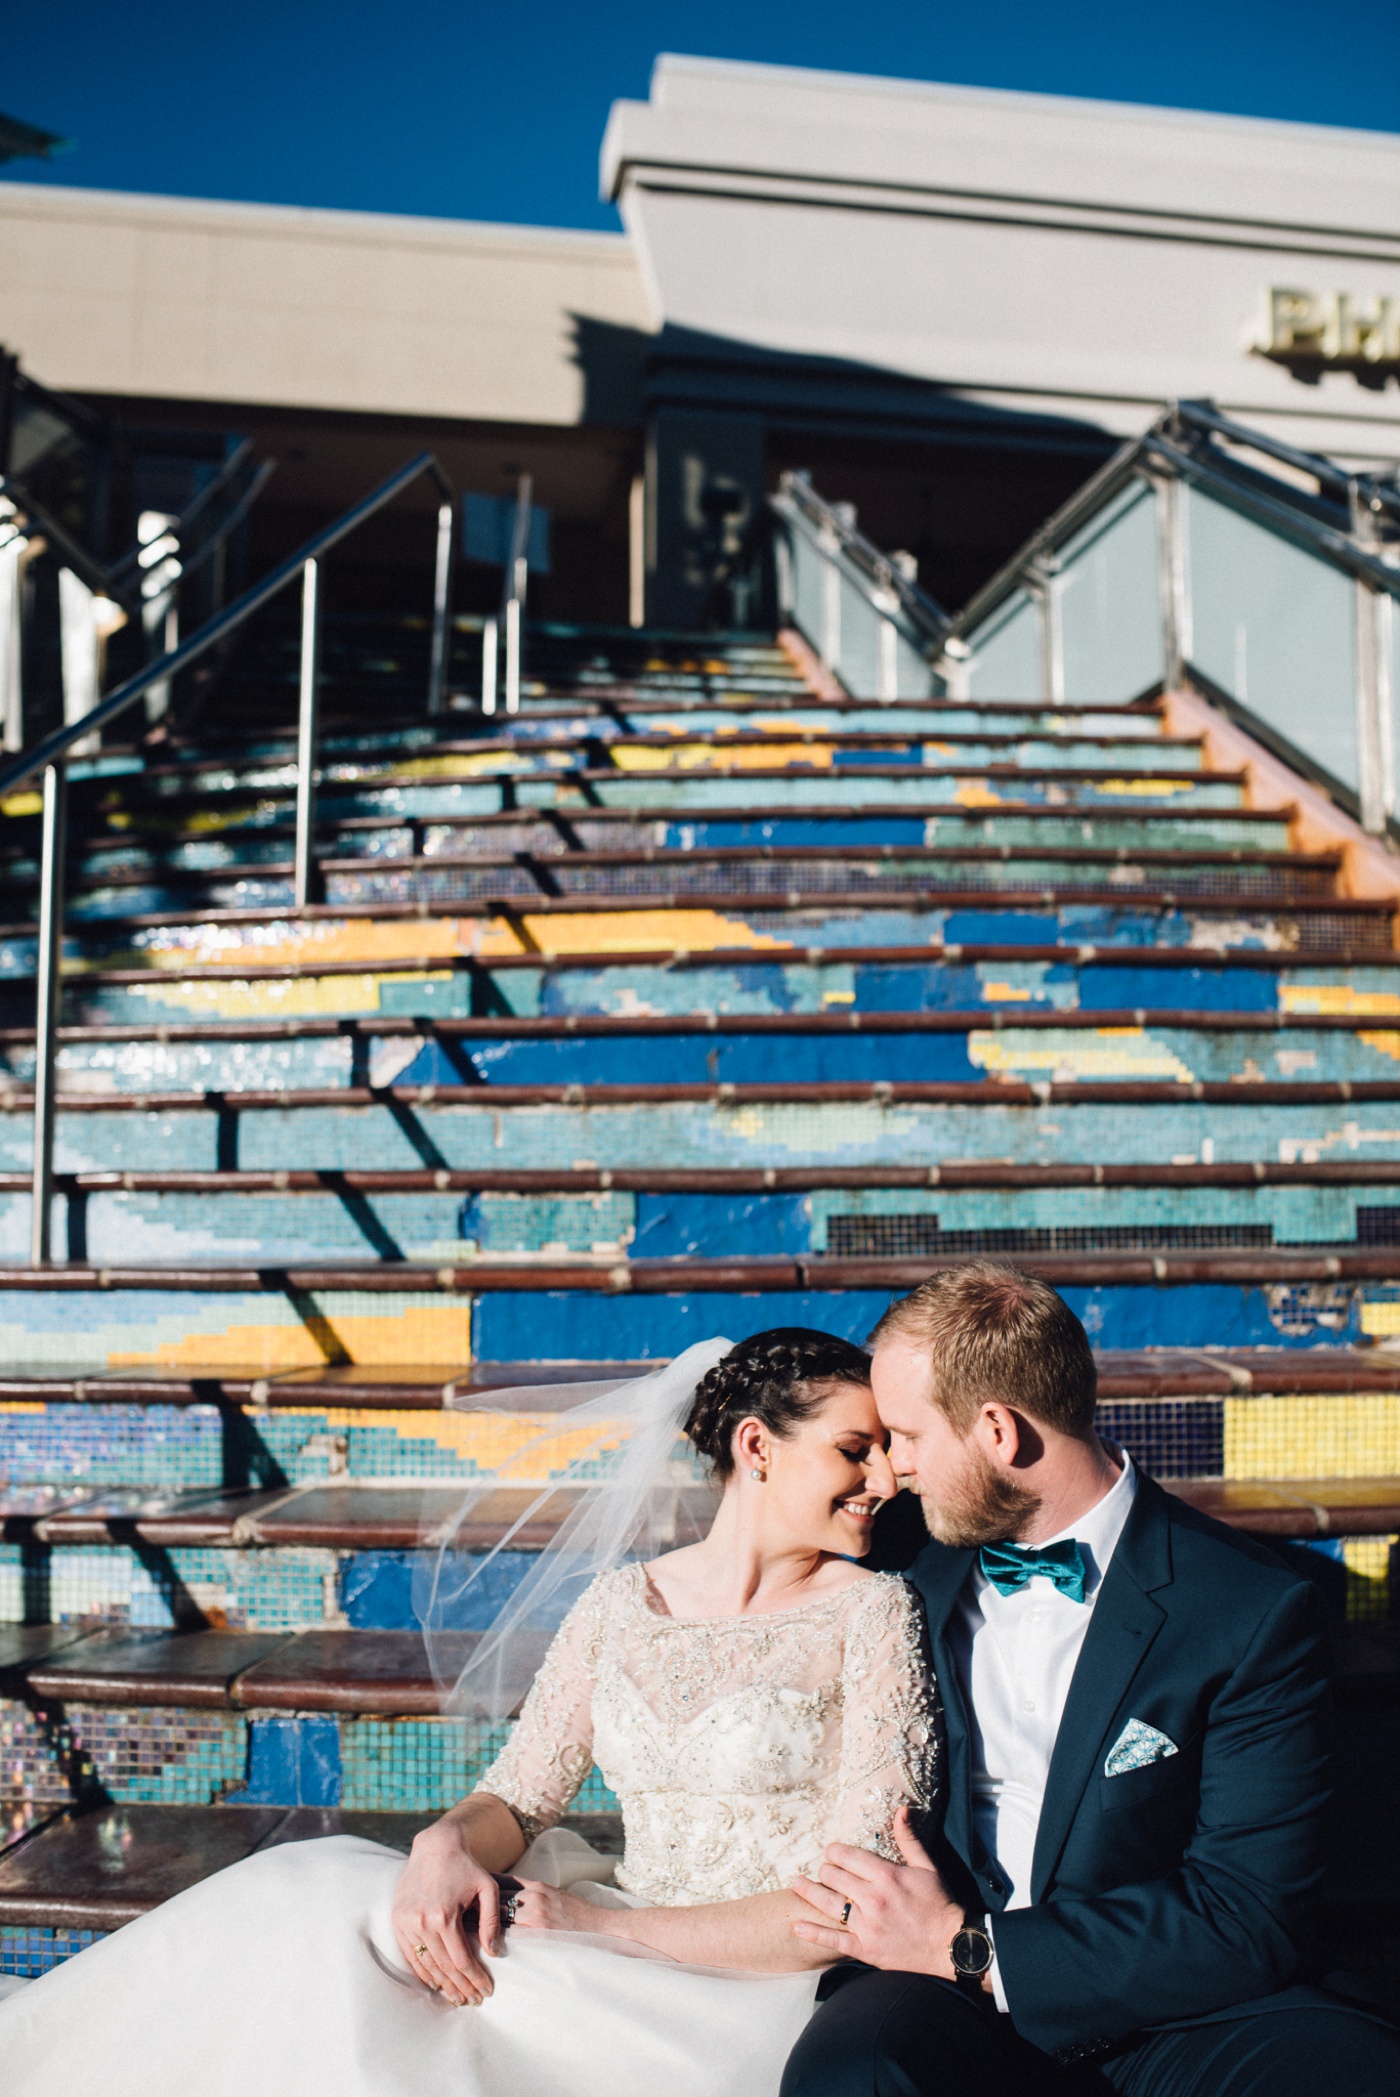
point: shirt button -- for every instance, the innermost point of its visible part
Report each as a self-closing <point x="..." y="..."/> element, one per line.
<point x="1028" y="1704"/>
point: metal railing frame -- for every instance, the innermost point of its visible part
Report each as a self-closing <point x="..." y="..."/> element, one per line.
<point x="49" y="757"/>
<point x="1184" y="447"/>
<point x="515" y="584"/>
<point x="895" y="599"/>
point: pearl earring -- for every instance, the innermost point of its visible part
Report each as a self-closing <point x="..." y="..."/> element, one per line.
<point x="758" y="1475"/>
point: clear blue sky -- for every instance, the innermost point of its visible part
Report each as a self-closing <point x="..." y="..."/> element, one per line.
<point x="462" y="110"/>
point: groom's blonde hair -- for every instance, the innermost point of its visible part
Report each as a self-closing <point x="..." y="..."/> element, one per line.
<point x="993" y="1335"/>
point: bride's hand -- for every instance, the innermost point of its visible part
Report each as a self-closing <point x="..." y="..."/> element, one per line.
<point x="440" y="1879"/>
<point x="541" y="1907"/>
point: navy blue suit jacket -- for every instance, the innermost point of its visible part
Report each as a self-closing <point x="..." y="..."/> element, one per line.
<point x="1173" y="1892"/>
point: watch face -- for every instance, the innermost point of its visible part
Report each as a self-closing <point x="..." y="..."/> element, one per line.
<point x="971" y="1951"/>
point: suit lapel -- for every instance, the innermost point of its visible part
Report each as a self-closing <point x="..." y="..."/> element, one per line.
<point x="1125" y="1621"/>
<point x="938" y="1574"/>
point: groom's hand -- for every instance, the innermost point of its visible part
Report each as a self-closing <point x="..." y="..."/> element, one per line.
<point x="900" y="1916"/>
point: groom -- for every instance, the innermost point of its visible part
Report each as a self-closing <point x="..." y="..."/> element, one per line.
<point x="1136" y="1712"/>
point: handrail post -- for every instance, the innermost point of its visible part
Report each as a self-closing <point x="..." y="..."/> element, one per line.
<point x="517" y="582"/>
<point x="490" y="635"/>
<point x="306" y="733"/>
<point x="513" y="650"/>
<point x="48" y="994"/>
<point x="442" y="607"/>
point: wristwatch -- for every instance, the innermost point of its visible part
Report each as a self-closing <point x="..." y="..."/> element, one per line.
<point x="971" y="1952"/>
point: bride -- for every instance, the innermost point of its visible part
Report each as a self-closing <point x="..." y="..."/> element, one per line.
<point x="749" y="1697"/>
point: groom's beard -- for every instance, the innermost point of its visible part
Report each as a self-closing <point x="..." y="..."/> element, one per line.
<point x="981" y="1506"/>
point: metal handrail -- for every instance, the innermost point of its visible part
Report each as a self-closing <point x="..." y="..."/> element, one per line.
<point x="924" y="613"/>
<point x="515" y="583"/>
<point x="49" y="757"/>
<point x="1161" y="443"/>
<point x="1202" y="415"/>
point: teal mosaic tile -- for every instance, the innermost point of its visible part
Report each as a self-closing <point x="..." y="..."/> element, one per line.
<point x="27" y="1954"/>
<point x="427" y="1764"/>
<point x="284" y="1590"/>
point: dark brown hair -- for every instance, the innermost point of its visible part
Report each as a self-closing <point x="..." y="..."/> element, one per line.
<point x="996" y="1336"/>
<point x="769" y="1378"/>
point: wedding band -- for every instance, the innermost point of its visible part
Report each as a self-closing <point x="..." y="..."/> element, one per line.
<point x="846" y="1913"/>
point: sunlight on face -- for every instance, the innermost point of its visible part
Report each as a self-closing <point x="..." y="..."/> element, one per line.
<point x="967" y="1500"/>
<point x="827" y="1479"/>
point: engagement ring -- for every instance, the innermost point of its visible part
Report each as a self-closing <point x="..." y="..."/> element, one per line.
<point x="420" y="1951"/>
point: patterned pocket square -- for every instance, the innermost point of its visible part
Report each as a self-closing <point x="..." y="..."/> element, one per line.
<point x="1136" y="1746"/>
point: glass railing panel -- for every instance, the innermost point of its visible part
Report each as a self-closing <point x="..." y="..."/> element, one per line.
<point x="1274" y="626"/>
<point x="859" y="664"/>
<point x="1110" y="602"/>
<point x="913" y="677"/>
<point x="1006" y="652"/>
<point x="805" y="570"/>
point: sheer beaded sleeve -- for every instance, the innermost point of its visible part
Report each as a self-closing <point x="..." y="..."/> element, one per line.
<point x="890" y="1732"/>
<point x="550" y="1751"/>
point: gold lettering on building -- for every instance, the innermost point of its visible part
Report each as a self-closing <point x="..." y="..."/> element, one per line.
<point x="1313" y="332"/>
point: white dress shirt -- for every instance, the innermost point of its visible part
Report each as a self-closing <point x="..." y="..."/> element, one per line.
<point x="1015" y="1656"/>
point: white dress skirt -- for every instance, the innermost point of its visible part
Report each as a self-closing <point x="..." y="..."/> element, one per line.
<point x="735" y="1757"/>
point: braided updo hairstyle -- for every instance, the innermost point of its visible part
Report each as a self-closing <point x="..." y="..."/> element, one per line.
<point x="769" y="1378"/>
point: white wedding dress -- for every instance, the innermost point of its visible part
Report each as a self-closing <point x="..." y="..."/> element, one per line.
<point x="738" y="1749"/>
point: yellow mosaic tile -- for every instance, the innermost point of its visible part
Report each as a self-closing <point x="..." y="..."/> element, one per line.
<point x="1339" y="998"/>
<point x="403" y="1338"/>
<point x="303" y="997"/>
<point x="747" y="757"/>
<point x="519" y="1448"/>
<point x="1109" y="1052"/>
<point x="1367" y="1560"/>
<point x="283" y="941"/>
<point x="1355" y="1436"/>
<point x="623" y="932"/>
<point x="1380" y="1321"/>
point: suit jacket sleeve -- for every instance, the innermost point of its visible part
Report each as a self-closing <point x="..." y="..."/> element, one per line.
<point x="1222" y="1926"/>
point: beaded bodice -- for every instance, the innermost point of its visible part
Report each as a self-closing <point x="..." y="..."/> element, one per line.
<point x="738" y="1747"/>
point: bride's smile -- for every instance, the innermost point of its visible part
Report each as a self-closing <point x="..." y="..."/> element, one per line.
<point x="799" y="1502"/>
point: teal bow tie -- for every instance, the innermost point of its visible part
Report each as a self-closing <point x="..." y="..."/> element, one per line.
<point x="1010" y="1566"/>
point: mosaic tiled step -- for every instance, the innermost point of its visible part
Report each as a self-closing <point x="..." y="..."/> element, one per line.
<point x="355" y="1517"/>
<point x="824" y="1128"/>
<point x="956" y="832"/>
<point x="879" y="1210"/>
<point x="242" y="876"/>
<point x="525" y="778"/>
<point x="690" y="744"/>
<point x="200" y="1669"/>
<point x="952" y="1174"/>
<point x="1145" y="805"/>
<point x="1247" y="1267"/>
<point x="469" y="1387"/>
<point x="356" y="937"/>
<point x="988" y="1059"/>
<point x="388" y="1666"/>
<point x="382" y="1672"/>
<point x="98" y="1870"/>
<point x="562" y="934"/>
<point x="1123" y="1373"/>
<point x="1297" y="1507"/>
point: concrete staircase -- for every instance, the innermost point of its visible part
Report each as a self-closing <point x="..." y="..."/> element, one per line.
<point x="686" y="1001"/>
